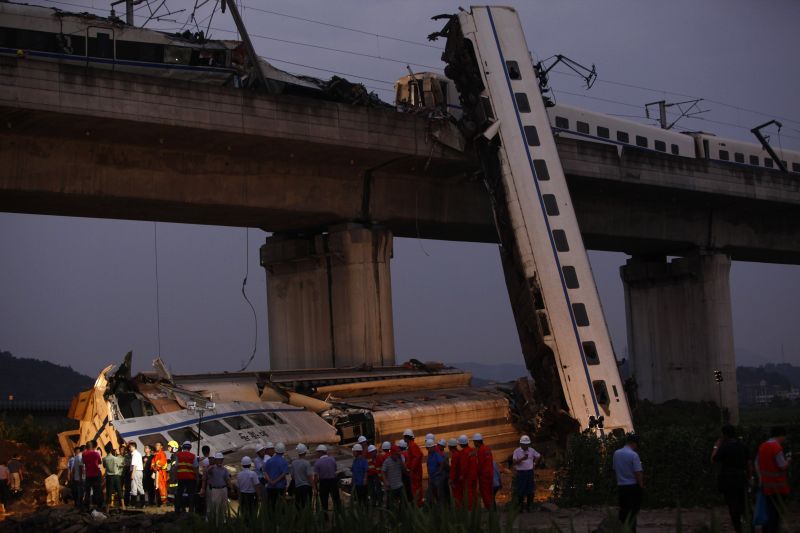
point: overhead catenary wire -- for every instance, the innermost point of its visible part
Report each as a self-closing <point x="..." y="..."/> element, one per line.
<point x="246" y="299"/>
<point x="158" y="304"/>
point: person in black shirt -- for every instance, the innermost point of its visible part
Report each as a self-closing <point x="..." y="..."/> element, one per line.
<point x="734" y="471"/>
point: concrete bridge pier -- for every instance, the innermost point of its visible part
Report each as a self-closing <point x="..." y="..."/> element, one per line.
<point x="680" y="328"/>
<point x="329" y="298"/>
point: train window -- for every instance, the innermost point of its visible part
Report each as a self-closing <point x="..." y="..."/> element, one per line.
<point x="213" y="428"/>
<point x="724" y="155"/>
<point x="603" y="132"/>
<point x="641" y="141"/>
<point x="177" y="55"/>
<point x="277" y="418"/>
<point x="560" y="239"/>
<point x="795" y="167"/>
<point x="622" y="136"/>
<point x="590" y="352"/>
<point x="661" y="146"/>
<point x="540" y="166"/>
<point x="261" y="420"/>
<point x="581" y="316"/>
<point x="101" y="46"/>
<point x="601" y="392"/>
<point x="133" y="51"/>
<point x="238" y="422"/>
<point x="544" y="324"/>
<point x="570" y="277"/>
<point x="152" y="440"/>
<point x="738" y="157"/>
<point x="513" y="70"/>
<point x="754" y="160"/>
<point x="675" y="149"/>
<point x="768" y="162"/>
<point x="562" y="123"/>
<point x="550" y="205"/>
<point x="181" y="435"/>
<point x="532" y="135"/>
<point x="522" y="102"/>
<point x="583" y="127"/>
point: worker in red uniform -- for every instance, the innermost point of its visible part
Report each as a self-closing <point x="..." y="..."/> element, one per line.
<point x="772" y="467"/>
<point x="414" y="465"/>
<point x="485" y="471"/>
<point x="186" y="473"/>
<point x="468" y="472"/>
<point x="160" y="466"/>
<point x="455" y="478"/>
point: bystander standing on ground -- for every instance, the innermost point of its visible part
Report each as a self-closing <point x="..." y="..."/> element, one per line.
<point x="125" y="454"/>
<point x="734" y="471"/>
<point x="359" y="470"/>
<point x="630" y="481"/>
<point x="393" y="469"/>
<point x="773" y="465"/>
<point x="247" y="481"/>
<point x="93" y="486"/>
<point x="302" y="476"/>
<point x="524" y="459"/>
<point x="114" y="465"/>
<point x="148" y="478"/>
<point x="216" y="486"/>
<point x="5" y="477"/>
<point x="17" y="473"/>
<point x="137" y="476"/>
<point x="326" y="480"/>
<point x="76" y="476"/>
<point x="203" y="462"/>
<point x="276" y="470"/>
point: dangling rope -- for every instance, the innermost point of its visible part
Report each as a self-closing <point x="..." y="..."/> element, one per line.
<point x="158" y="306"/>
<point x="246" y="299"/>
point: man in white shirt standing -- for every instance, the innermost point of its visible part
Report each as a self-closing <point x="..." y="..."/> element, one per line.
<point x="137" y="473"/>
<point x="524" y="460"/>
<point x="247" y="481"/>
<point x="630" y="481"/>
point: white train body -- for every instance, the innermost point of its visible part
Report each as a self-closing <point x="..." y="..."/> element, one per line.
<point x="736" y="152"/>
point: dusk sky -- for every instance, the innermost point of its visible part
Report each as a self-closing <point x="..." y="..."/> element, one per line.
<point x="81" y="292"/>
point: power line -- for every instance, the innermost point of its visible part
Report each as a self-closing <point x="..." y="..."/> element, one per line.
<point x="327" y="70"/>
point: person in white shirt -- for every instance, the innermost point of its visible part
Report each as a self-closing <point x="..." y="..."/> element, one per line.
<point x="76" y="476"/>
<point x="524" y="460"/>
<point x="248" y="483"/>
<point x="137" y="476"/>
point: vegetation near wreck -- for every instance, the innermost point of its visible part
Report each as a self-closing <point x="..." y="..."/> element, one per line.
<point x="677" y="438"/>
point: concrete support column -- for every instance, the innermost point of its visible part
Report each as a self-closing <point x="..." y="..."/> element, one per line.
<point x="329" y="298"/>
<point x="680" y="328"/>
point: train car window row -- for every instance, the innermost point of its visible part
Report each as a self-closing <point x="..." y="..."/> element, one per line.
<point x="550" y="205"/>
<point x="562" y="123"/>
<point x="590" y="352"/>
<point x="623" y="137"/>
<point x="768" y="162"/>
<point x="532" y="135"/>
<point x="738" y="157"/>
<point x="570" y="277"/>
<point x="641" y="141"/>
<point x="540" y="166"/>
<point x="603" y="132"/>
<point x="660" y="146"/>
<point x="724" y="155"/>
<point x="583" y="127"/>
<point x="675" y="149"/>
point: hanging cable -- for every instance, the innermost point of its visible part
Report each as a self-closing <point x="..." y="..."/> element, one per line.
<point x="246" y="299"/>
<point x="158" y="304"/>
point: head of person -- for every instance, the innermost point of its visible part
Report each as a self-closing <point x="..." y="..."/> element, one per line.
<point x="76" y="450"/>
<point x="362" y="440"/>
<point x="632" y="441"/>
<point x="524" y="442"/>
<point x="778" y="433"/>
<point x="280" y="448"/>
<point x="187" y="446"/>
<point x="408" y="435"/>
<point x="452" y="444"/>
<point x="94" y="444"/>
<point x="206" y="450"/>
<point x="301" y="450"/>
<point x="114" y="451"/>
<point x="395" y="451"/>
<point x="83" y="448"/>
<point x="442" y="444"/>
<point x="430" y="444"/>
<point x="246" y="462"/>
<point x="158" y="446"/>
<point x="261" y="451"/>
<point x="403" y="444"/>
<point x="463" y="441"/>
<point x="357" y="450"/>
<point x="218" y="458"/>
<point x="372" y="450"/>
<point x="146" y="449"/>
<point x="430" y="436"/>
<point x="386" y="446"/>
<point x="728" y="431"/>
<point x="91" y="445"/>
<point x="270" y="449"/>
<point x="477" y="440"/>
<point x="322" y="450"/>
<point x="132" y="446"/>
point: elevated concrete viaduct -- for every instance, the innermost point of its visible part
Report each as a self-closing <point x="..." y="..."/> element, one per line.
<point x="83" y="142"/>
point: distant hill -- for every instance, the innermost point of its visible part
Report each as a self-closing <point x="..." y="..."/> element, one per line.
<point x="781" y="375"/>
<point x="483" y="373"/>
<point x="35" y="380"/>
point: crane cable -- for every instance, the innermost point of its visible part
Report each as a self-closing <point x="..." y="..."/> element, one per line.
<point x="246" y="299"/>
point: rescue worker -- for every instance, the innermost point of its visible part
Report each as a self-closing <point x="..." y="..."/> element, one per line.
<point x="485" y="471"/>
<point x="363" y="441"/>
<point x="524" y="460"/>
<point x="172" y="486"/>
<point x="325" y="478"/>
<point x="359" y="470"/>
<point x="216" y="486"/>
<point x="456" y="487"/>
<point x="276" y="471"/>
<point x="414" y="465"/>
<point x="772" y="466"/>
<point x="160" y="467"/>
<point x="435" y="461"/>
<point x="374" y="476"/>
<point x="247" y="481"/>
<point x="302" y="475"/>
<point x="186" y="474"/>
<point x="468" y="472"/>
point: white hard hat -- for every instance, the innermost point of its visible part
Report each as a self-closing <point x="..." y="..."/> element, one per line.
<point x="386" y="446"/>
<point x="525" y="439"/>
<point x="261" y="448"/>
<point x="430" y="436"/>
<point x="301" y="448"/>
<point x="430" y="443"/>
<point x="408" y="433"/>
<point x="463" y="440"/>
<point x="219" y="455"/>
<point x="246" y="461"/>
<point x="269" y="445"/>
<point x="442" y="442"/>
<point x="477" y="436"/>
<point x="187" y="444"/>
<point x="403" y="444"/>
<point x="322" y="448"/>
<point x="452" y="442"/>
<point x="280" y="448"/>
<point x="371" y="448"/>
<point x="362" y="439"/>
<point x="358" y="448"/>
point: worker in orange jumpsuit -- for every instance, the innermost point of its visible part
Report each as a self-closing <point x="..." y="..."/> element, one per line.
<point x="468" y="472"/>
<point x="160" y="471"/>
<point x="456" y="488"/>
<point x="485" y="471"/>
<point x="414" y="465"/>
